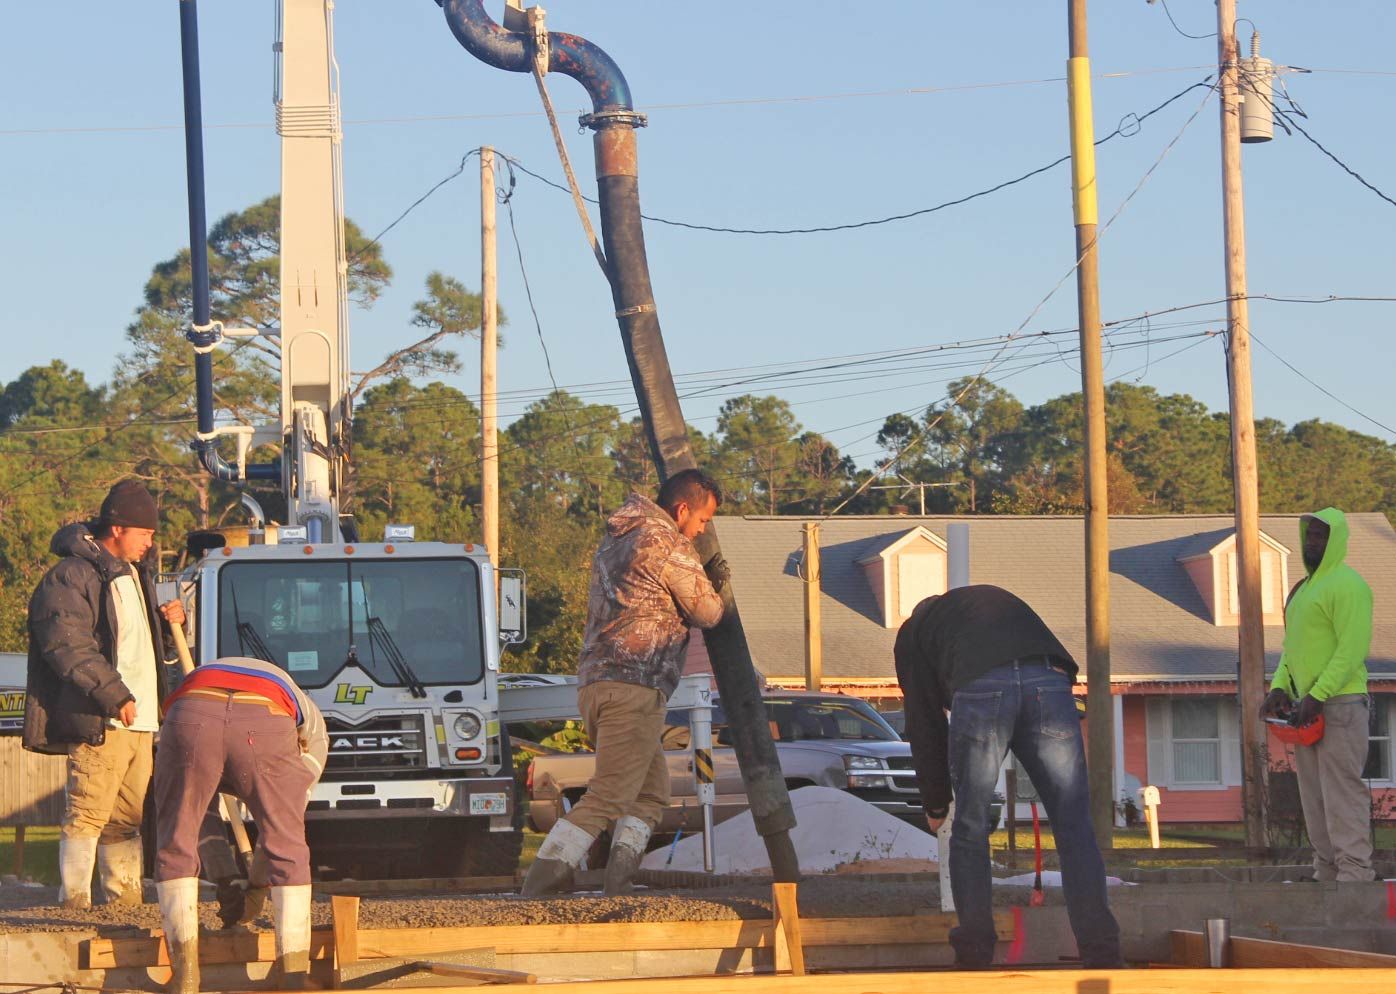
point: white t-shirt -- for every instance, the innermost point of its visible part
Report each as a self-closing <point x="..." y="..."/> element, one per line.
<point x="135" y="653"/>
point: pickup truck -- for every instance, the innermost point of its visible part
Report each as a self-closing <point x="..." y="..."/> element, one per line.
<point x="825" y="740"/>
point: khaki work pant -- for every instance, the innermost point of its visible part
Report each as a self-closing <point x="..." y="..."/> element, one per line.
<point x="1337" y="803"/>
<point x="107" y="783"/>
<point x="624" y="722"/>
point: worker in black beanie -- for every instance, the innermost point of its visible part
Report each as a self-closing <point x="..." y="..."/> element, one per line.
<point x="97" y="649"/>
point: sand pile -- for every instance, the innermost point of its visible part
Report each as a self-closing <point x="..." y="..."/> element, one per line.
<point x="832" y="828"/>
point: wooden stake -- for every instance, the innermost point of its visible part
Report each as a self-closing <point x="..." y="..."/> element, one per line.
<point x="345" y="910"/>
<point x="1254" y="750"/>
<point x="1100" y="738"/>
<point x="789" y="946"/>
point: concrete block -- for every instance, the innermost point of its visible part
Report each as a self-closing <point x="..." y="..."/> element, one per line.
<point x="697" y="962"/>
<point x="571" y="966"/>
<point x="1354" y="905"/>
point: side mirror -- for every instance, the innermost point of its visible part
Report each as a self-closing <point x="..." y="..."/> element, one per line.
<point x="513" y="614"/>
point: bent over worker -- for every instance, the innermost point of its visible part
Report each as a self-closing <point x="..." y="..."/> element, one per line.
<point x="986" y="657"/>
<point x="243" y="727"/>
<point x="647" y="588"/>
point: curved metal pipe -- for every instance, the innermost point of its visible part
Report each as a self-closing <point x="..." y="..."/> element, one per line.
<point x="207" y="448"/>
<point x="617" y="176"/>
<point x="568" y="54"/>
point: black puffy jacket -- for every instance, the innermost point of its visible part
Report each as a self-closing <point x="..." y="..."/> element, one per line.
<point x="73" y="685"/>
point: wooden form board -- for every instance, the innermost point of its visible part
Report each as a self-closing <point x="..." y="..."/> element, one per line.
<point x="1317" y="981"/>
<point x="1190" y="949"/>
<point x="246" y="947"/>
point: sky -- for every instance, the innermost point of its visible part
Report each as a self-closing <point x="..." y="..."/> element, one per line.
<point x="760" y="116"/>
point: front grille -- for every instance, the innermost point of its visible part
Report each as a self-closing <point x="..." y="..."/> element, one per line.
<point x="900" y="763"/>
<point x="390" y="744"/>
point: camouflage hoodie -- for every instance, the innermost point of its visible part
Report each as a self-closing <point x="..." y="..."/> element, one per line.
<point x="647" y="588"/>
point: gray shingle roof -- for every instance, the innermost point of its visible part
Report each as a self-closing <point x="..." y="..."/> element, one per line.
<point x="1160" y="628"/>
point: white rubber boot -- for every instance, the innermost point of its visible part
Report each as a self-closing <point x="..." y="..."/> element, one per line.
<point x="291" y="909"/>
<point x="75" y="860"/>
<point x="628" y="843"/>
<point x="179" y="910"/>
<point x="560" y="855"/>
<point x="119" y="870"/>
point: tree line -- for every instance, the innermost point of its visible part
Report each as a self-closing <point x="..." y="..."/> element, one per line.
<point x="566" y="463"/>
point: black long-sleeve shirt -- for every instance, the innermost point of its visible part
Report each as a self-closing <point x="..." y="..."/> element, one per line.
<point x="949" y="641"/>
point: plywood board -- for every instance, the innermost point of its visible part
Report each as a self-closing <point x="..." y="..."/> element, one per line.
<point x="931" y="929"/>
<point x="1327" y="981"/>
<point x="1190" y="949"/>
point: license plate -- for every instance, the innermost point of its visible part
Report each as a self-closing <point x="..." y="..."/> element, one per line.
<point x="489" y="804"/>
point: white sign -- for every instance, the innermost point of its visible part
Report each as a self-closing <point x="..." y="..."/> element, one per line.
<point x="300" y="661"/>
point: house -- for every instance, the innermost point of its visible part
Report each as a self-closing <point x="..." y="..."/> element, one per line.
<point x="1173" y="619"/>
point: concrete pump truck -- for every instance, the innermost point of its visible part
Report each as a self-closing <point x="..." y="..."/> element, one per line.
<point x="397" y="641"/>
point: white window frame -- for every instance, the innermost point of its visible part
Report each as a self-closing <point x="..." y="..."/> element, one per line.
<point x="1159" y="736"/>
<point x="1387" y="701"/>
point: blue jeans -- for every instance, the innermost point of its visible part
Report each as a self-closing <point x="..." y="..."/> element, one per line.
<point x="1025" y="706"/>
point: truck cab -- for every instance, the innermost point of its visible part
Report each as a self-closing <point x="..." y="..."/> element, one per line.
<point x="398" y="645"/>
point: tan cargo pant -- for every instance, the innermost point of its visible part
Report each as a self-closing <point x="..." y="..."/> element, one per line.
<point x="1337" y="803"/>
<point x="105" y="793"/>
<point x="624" y="722"/>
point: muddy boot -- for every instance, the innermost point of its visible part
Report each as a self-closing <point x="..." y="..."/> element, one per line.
<point x="291" y="909"/>
<point x="179" y="910"/>
<point x="561" y="853"/>
<point x="631" y="837"/>
<point x="119" y="871"/>
<point x="75" y="860"/>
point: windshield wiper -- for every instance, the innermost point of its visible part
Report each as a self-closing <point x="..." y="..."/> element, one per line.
<point x="249" y="636"/>
<point x="379" y="635"/>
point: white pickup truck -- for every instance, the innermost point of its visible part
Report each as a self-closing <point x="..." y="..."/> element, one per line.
<point x="825" y="740"/>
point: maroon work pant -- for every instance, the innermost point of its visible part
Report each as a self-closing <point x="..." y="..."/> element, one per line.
<point x="208" y="745"/>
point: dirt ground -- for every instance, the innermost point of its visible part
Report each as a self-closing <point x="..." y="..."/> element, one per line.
<point x="25" y="909"/>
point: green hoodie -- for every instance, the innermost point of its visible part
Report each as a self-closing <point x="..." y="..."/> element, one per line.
<point x="1328" y="622"/>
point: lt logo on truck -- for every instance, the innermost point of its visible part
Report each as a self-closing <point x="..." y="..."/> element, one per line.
<point x="345" y="694"/>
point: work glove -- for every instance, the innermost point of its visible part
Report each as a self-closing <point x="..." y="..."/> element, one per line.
<point x="232" y="900"/>
<point x="1277" y="702"/>
<point x="1309" y="710"/>
<point x="718" y="572"/>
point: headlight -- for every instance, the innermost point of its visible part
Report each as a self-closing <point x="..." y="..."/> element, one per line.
<point x="863" y="763"/>
<point x="467" y="725"/>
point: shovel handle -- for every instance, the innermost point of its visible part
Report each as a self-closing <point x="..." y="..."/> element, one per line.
<point x="186" y="666"/>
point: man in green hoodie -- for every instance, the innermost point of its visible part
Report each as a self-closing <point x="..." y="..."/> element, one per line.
<point x="1328" y="630"/>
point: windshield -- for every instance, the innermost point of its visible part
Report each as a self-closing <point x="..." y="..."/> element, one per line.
<point x="795" y="719"/>
<point x="300" y="612"/>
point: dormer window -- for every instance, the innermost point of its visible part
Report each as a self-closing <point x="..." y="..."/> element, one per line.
<point x="908" y="568"/>
<point x="1210" y="562"/>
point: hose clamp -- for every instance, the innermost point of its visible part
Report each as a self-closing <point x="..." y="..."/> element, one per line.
<point x="205" y="337"/>
<point x="613" y="118"/>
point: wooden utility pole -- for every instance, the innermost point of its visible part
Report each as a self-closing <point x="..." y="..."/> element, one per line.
<point x="1100" y="725"/>
<point x="1254" y="755"/>
<point x="814" y="632"/>
<point x="489" y="341"/>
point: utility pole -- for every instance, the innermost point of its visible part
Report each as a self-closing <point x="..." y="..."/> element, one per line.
<point x="489" y="341"/>
<point x="1100" y="726"/>
<point x="814" y="632"/>
<point x="1254" y="754"/>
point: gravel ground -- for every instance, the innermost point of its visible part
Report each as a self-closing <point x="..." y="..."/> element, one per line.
<point x="24" y="909"/>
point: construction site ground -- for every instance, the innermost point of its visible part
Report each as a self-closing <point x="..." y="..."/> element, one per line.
<point x="27" y="908"/>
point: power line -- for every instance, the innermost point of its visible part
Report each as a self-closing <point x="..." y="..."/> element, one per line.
<point x="1128" y="127"/>
<point x="686" y="105"/>
<point x="1289" y="119"/>
<point x="1212" y="34"/>
<point x="1322" y="389"/>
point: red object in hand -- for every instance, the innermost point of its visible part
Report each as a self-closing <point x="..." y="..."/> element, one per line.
<point x="1038" y="897"/>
